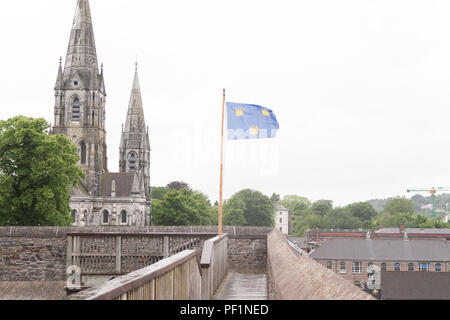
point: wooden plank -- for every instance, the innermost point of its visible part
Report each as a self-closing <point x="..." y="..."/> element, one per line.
<point x="243" y="287"/>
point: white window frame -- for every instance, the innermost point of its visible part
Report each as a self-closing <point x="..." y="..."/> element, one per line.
<point x="356" y="267"/>
<point x="342" y="267"/>
<point x="424" y="266"/>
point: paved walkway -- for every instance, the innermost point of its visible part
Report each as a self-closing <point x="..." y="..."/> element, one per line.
<point x="237" y="286"/>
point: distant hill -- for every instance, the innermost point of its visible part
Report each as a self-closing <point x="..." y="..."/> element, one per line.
<point x="421" y="204"/>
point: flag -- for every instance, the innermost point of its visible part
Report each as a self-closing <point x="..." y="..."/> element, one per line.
<point x="249" y="121"/>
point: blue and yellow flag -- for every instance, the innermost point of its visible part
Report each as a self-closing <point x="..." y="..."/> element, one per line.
<point x="249" y="121"/>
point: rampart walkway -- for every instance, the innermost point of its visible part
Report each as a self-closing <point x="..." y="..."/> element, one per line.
<point x="237" y="286"/>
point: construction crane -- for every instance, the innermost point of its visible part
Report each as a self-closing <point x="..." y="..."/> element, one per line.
<point x="432" y="191"/>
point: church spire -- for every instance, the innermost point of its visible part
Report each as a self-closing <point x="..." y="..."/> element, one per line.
<point x="82" y="54"/>
<point x="135" y="117"/>
<point x="60" y="79"/>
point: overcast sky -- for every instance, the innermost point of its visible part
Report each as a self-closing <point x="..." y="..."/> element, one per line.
<point x="361" y="88"/>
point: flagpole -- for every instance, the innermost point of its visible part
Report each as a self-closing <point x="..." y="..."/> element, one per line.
<point x="221" y="166"/>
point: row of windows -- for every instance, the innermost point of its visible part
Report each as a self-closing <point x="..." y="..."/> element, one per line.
<point x="123" y="216"/>
<point x="357" y="266"/>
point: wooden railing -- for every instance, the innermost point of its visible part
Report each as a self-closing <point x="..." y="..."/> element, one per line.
<point x="179" y="277"/>
<point x="175" y="278"/>
<point x="214" y="264"/>
<point x="113" y="254"/>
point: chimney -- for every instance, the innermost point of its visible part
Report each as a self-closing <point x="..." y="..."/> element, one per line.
<point x="402" y="228"/>
<point x="380" y="227"/>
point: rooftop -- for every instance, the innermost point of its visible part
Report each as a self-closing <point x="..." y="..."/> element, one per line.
<point x="383" y="250"/>
<point x="415" y="285"/>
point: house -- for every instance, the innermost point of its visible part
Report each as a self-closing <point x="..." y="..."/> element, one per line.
<point x="351" y="258"/>
<point x="282" y="219"/>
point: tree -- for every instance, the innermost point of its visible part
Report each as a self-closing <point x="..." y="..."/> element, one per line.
<point x="296" y="204"/>
<point x="234" y="212"/>
<point x="275" y="197"/>
<point x="363" y="211"/>
<point x="178" y="185"/>
<point x="259" y="209"/>
<point x="322" y="207"/>
<point x="182" y="208"/>
<point x="38" y="171"/>
<point x="399" y="205"/>
<point x="159" y="192"/>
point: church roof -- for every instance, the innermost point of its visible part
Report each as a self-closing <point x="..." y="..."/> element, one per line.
<point x="124" y="182"/>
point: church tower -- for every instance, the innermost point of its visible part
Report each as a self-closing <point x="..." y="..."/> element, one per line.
<point x="80" y="99"/>
<point x="135" y="142"/>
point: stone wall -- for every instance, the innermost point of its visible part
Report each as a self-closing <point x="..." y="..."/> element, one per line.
<point x="293" y="277"/>
<point x="32" y="259"/>
<point x="39" y="253"/>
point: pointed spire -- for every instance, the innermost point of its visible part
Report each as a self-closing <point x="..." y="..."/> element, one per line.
<point x="135" y="117"/>
<point x="60" y="79"/>
<point x="81" y="53"/>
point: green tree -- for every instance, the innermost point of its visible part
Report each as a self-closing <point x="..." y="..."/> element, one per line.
<point x="178" y="185"/>
<point x="297" y="205"/>
<point x="182" y="208"/>
<point x="399" y="205"/>
<point x="342" y="218"/>
<point x="38" y="171"/>
<point x="234" y="212"/>
<point x="364" y="211"/>
<point x="322" y="207"/>
<point x="259" y="209"/>
<point x="159" y="192"/>
<point x="275" y="197"/>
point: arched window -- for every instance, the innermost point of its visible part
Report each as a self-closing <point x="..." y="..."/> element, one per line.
<point x="73" y="214"/>
<point x="383" y="266"/>
<point x="76" y="110"/>
<point x="397" y="266"/>
<point x="132" y="162"/>
<point x="83" y="152"/>
<point x="410" y="266"/>
<point x="105" y="216"/>
<point x="438" y="267"/>
<point x="123" y="215"/>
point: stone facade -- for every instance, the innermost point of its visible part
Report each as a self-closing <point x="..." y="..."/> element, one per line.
<point x="102" y="198"/>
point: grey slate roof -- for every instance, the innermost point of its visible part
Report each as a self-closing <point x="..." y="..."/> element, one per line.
<point x="280" y="207"/>
<point x="300" y="242"/>
<point x="383" y="250"/>
<point x="414" y="230"/>
<point x="415" y="285"/>
<point x="124" y="184"/>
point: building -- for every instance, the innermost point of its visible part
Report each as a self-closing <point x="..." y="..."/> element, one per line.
<point x="351" y="258"/>
<point x="317" y="237"/>
<point x="282" y="219"/>
<point x="102" y="198"/>
<point x="415" y="286"/>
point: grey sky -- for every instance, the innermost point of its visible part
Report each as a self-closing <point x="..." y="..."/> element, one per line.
<point x="361" y="88"/>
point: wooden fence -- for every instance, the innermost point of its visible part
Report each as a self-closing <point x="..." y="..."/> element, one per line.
<point x="179" y="277"/>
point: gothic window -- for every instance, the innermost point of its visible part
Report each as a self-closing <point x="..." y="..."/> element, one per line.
<point x="73" y="214"/>
<point x="93" y="117"/>
<point x="132" y="162"/>
<point x="105" y="216"/>
<point x="123" y="214"/>
<point x="83" y="152"/>
<point x="76" y="110"/>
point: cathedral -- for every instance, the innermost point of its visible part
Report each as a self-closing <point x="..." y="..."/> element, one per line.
<point x="102" y="197"/>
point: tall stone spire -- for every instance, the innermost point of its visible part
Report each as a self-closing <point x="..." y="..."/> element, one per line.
<point x="135" y="118"/>
<point x="80" y="99"/>
<point x="81" y="56"/>
<point x="135" y="142"/>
